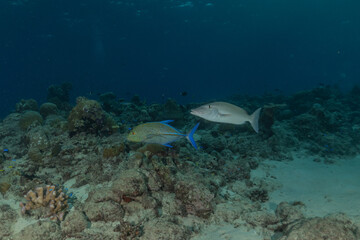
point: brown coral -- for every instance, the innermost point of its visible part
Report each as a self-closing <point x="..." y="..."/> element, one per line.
<point x="52" y="202"/>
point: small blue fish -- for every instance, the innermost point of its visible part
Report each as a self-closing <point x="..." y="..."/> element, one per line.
<point x="160" y="133"/>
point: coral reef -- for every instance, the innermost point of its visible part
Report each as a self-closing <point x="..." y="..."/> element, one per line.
<point x="51" y="201"/>
<point x="146" y="191"/>
<point x="60" y="95"/>
<point x="26" y="105"/>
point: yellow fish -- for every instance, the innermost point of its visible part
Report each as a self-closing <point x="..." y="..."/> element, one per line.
<point x="160" y="133"/>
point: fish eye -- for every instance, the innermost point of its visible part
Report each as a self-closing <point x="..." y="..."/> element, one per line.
<point x="133" y="133"/>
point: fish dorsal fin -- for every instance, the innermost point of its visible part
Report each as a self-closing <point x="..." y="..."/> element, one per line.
<point x="166" y="121"/>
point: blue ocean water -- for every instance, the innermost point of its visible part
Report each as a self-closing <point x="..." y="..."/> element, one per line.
<point x="156" y="49"/>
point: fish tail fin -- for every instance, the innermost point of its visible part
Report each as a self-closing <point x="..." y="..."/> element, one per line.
<point x="254" y="120"/>
<point x="190" y="136"/>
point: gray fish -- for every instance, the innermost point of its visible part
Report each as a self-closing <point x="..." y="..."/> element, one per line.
<point x="223" y="112"/>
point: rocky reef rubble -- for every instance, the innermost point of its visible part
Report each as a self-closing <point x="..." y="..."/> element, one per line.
<point x="136" y="191"/>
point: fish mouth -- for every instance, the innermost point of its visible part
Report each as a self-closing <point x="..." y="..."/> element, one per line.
<point x="194" y="112"/>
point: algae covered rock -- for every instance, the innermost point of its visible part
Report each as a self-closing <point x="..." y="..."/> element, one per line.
<point x="74" y="222"/>
<point x="4" y="187"/>
<point x="289" y="212"/>
<point x="164" y="230"/>
<point x="39" y="230"/>
<point x="107" y="211"/>
<point x="196" y="198"/>
<point x="131" y="183"/>
<point x="7" y="220"/>
<point x="35" y="155"/>
<point x="103" y="205"/>
<point x="88" y="116"/>
<point x="38" y="138"/>
<point x="113" y="151"/>
<point x="30" y="118"/>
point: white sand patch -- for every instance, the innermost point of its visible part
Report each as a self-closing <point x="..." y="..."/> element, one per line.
<point x="323" y="188"/>
<point x="227" y="232"/>
<point x="80" y="193"/>
<point x="21" y="221"/>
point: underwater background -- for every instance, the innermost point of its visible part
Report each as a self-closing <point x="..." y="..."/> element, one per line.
<point x="179" y="120"/>
<point x="211" y="49"/>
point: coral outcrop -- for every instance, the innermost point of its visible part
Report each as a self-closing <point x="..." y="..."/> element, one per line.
<point x="88" y="116"/>
<point x="48" y="108"/>
<point x="30" y="119"/>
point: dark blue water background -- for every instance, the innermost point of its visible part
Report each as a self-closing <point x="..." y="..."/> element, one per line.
<point x="210" y="49"/>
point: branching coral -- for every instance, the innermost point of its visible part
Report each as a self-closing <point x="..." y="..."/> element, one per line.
<point x="51" y="202"/>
